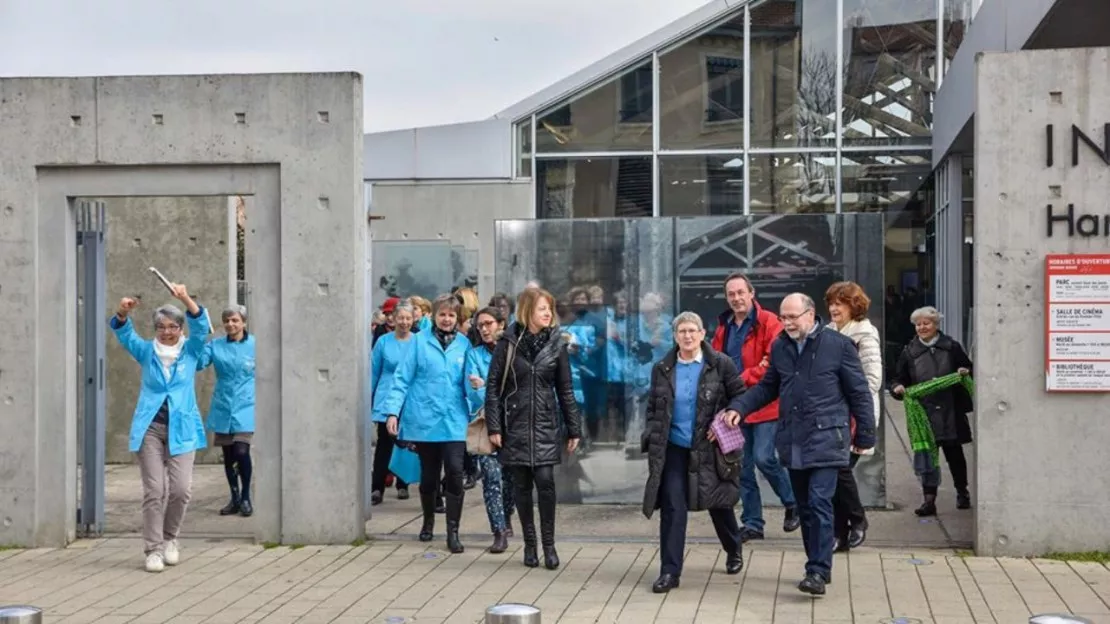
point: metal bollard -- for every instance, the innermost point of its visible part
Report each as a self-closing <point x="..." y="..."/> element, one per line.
<point x="1054" y="618"/>
<point x="20" y="614"/>
<point x="511" y="613"/>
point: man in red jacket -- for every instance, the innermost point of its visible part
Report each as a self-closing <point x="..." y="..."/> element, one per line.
<point x="745" y="333"/>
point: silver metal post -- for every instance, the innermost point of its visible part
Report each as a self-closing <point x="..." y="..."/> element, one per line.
<point x="20" y="614"/>
<point x="511" y="613"/>
<point x="90" y="231"/>
<point x="1054" y="618"/>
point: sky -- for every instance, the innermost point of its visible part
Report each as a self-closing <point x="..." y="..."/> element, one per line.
<point x="424" y="62"/>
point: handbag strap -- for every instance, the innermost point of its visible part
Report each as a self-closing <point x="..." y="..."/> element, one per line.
<point x="509" y="355"/>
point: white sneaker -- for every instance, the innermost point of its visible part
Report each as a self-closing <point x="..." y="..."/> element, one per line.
<point x="171" y="555"/>
<point x="154" y="562"/>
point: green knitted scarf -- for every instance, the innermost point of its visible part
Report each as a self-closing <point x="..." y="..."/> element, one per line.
<point x="917" y="421"/>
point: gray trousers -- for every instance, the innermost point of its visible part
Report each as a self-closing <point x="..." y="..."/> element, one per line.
<point x="167" y="488"/>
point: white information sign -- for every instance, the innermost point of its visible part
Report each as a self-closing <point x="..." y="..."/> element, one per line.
<point x="1077" y="323"/>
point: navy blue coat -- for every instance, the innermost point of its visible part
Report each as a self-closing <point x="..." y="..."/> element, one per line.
<point x="817" y="390"/>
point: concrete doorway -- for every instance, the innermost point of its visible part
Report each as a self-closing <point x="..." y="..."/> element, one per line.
<point x="293" y="143"/>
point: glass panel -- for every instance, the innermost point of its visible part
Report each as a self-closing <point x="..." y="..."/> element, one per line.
<point x="701" y="90"/>
<point x="406" y="268"/>
<point x="624" y="279"/>
<point x="790" y="183"/>
<point x="593" y="187"/>
<point x="794" y="73"/>
<point x="957" y="19"/>
<point x="524" y="150"/>
<point x="701" y="185"/>
<point x="890" y="71"/>
<point x="616" y="116"/>
<point x="464" y="267"/>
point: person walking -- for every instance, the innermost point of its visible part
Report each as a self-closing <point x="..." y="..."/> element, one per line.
<point x="848" y="307"/>
<point x="745" y="333"/>
<point x="427" y="407"/>
<point x="497" y="485"/>
<point x="231" y="411"/>
<point x="815" y="371"/>
<point x="389" y="351"/>
<point x="525" y="423"/>
<point x="686" y="469"/>
<point x="166" y="427"/>
<point x="929" y="355"/>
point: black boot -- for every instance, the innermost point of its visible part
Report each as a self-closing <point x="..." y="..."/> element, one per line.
<point x="454" y="514"/>
<point x="428" y="506"/>
<point x="963" y="499"/>
<point x="500" y="543"/>
<point x="232" y="506"/>
<point x="245" y="508"/>
<point x="528" y="530"/>
<point x="547" y="533"/>
<point x="929" y="507"/>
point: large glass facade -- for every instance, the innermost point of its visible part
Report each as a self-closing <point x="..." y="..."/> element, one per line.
<point x="619" y="282"/>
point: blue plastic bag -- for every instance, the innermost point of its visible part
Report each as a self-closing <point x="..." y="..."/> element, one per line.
<point x="405" y="464"/>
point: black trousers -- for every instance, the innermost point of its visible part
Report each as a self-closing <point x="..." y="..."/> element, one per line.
<point x="437" y="458"/>
<point x="957" y="465"/>
<point x="848" y="511"/>
<point x="674" y="513"/>
<point x="383" y="450"/>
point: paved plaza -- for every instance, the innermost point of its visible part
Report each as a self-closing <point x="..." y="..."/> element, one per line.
<point x="102" y="581"/>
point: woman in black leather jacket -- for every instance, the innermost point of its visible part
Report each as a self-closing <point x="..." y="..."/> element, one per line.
<point x="523" y="419"/>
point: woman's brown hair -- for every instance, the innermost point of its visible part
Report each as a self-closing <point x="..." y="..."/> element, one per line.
<point x="419" y="302"/>
<point x="851" y="295"/>
<point x="527" y="302"/>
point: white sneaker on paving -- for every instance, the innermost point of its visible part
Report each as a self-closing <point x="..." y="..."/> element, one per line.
<point x="154" y="562"/>
<point x="172" y="554"/>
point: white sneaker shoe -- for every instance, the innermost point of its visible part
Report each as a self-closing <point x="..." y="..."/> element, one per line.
<point x="172" y="554"/>
<point x="154" y="562"/>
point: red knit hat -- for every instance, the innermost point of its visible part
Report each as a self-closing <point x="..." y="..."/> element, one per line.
<point x="389" y="304"/>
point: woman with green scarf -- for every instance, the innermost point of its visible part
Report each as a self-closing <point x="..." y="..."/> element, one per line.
<point x="933" y="376"/>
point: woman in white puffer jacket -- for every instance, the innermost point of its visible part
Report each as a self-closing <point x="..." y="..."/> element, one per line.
<point x="848" y="307"/>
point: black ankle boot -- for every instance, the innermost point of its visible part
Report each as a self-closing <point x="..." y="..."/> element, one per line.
<point x="428" y="507"/>
<point x="929" y="507"/>
<point x="528" y="530"/>
<point x="454" y="514"/>
<point x="232" y="506"/>
<point x="963" y="499"/>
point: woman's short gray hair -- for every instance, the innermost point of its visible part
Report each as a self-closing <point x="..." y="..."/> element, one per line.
<point x="234" y="309"/>
<point x="170" y="313"/>
<point x="926" y="312"/>
<point x="404" y="306"/>
<point x="687" y="317"/>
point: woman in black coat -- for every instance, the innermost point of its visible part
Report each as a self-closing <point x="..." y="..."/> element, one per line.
<point x="930" y="355"/>
<point x="686" y="469"/>
<point x="531" y="370"/>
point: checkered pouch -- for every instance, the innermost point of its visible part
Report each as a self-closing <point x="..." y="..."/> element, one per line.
<point x="728" y="438"/>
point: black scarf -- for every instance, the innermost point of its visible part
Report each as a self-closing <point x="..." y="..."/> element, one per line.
<point x="531" y="344"/>
<point x="445" y="338"/>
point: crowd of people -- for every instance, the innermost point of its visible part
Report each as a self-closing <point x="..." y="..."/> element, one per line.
<point x="502" y="394"/>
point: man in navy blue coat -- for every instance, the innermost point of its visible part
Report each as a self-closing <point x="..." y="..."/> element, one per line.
<point x="815" y="373"/>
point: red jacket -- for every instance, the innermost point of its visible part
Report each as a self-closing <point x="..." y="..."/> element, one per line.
<point x="757" y="345"/>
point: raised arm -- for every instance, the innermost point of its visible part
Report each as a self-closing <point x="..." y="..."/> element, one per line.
<point x="125" y="332"/>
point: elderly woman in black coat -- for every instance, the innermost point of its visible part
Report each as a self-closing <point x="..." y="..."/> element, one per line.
<point x="686" y="469"/>
<point x="531" y="414"/>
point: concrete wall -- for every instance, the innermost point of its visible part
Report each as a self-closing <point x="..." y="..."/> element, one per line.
<point x="294" y="142"/>
<point x="464" y="213"/>
<point x="473" y="150"/>
<point x="1041" y="482"/>
<point x="187" y="239"/>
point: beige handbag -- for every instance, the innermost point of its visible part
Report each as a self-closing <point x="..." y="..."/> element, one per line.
<point x="477" y="434"/>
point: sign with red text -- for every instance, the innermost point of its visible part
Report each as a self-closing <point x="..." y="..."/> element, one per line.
<point x="1077" y="323"/>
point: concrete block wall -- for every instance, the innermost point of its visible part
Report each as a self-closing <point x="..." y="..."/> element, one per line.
<point x="292" y="140"/>
<point x="1041" y="484"/>
<point x="464" y="213"/>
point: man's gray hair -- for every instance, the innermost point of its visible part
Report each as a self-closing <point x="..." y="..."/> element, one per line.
<point x="170" y="313"/>
<point x="928" y="312"/>
<point x="687" y="317"/>
<point x="234" y="309"/>
<point x="807" y="301"/>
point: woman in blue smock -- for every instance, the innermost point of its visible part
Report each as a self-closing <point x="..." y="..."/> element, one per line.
<point x="166" y="428"/>
<point x="427" y="407"/>
<point x="497" y="488"/>
<point x="231" y="413"/>
<point x="388" y="352"/>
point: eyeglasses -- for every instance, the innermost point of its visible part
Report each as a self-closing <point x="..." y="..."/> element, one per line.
<point x="794" y="317"/>
<point x="687" y="331"/>
<point x="167" y="328"/>
<point x="485" y="324"/>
